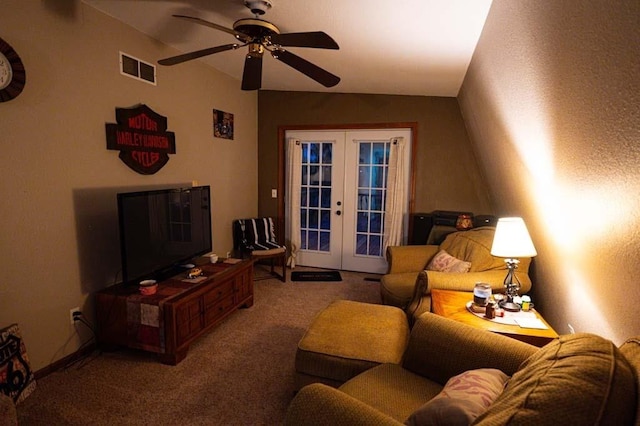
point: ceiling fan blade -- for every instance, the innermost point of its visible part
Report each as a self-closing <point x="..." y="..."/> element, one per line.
<point x="197" y="54"/>
<point x="310" y="70"/>
<point x="316" y="39"/>
<point x="237" y="34"/>
<point x="252" y="74"/>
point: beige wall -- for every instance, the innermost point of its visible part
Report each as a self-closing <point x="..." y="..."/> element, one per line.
<point x="552" y="105"/>
<point x="58" y="181"/>
<point x="447" y="176"/>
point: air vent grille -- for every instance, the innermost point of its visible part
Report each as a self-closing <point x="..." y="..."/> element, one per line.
<point x="135" y="68"/>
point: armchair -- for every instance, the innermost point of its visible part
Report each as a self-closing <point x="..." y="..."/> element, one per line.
<point x="409" y="282"/>
<point x="578" y="379"/>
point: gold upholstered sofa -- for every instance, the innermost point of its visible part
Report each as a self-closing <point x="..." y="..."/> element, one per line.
<point x="452" y="373"/>
<point x="461" y="260"/>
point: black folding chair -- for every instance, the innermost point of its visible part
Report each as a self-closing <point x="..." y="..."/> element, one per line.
<point x="256" y="238"/>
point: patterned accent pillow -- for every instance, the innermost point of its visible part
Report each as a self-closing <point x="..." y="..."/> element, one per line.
<point x="444" y="262"/>
<point x="463" y="398"/>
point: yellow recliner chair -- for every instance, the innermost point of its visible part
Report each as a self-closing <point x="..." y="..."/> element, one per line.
<point x="413" y="272"/>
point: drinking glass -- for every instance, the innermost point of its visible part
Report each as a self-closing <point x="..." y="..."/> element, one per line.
<point x="481" y="294"/>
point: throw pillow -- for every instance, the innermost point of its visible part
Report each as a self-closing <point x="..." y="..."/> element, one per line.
<point x="463" y="398"/>
<point x="444" y="262"/>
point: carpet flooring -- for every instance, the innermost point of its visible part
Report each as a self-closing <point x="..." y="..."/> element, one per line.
<point x="240" y="373"/>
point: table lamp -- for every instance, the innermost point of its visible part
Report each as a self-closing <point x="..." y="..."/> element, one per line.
<point x="512" y="241"/>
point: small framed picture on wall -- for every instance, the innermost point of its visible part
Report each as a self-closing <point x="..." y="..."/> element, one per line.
<point x="222" y="124"/>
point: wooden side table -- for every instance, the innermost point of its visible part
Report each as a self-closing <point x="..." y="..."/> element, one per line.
<point x="452" y="304"/>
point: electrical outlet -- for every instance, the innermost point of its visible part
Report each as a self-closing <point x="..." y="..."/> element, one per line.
<point x="73" y="311"/>
<point x="274" y="193"/>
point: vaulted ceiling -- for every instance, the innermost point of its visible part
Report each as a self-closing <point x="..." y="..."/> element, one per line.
<point x="403" y="47"/>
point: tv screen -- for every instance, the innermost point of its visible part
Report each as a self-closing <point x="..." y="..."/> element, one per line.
<point x="161" y="230"/>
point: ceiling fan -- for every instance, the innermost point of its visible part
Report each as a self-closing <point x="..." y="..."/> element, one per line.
<point x="260" y="35"/>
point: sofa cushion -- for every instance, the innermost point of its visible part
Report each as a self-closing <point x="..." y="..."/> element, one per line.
<point x="474" y="245"/>
<point x="463" y="398"/>
<point x="578" y="379"/>
<point x="392" y="390"/>
<point x="444" y="262"/>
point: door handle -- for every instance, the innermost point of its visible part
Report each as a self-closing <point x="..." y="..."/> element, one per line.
<point x="338" y="212"/>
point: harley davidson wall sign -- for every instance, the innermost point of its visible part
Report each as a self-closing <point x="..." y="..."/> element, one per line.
<point x="141" y="137"/>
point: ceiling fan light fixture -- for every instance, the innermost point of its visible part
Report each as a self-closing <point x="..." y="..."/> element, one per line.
<point x="255" y="50"/>
<point x="258" y="7"/>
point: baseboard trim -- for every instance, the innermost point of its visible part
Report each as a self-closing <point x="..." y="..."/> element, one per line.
<point x="63" y="362"/>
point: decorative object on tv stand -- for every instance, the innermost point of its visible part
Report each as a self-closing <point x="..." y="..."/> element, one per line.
<point x="148" y="287"/>
<point x="512" y="241"/>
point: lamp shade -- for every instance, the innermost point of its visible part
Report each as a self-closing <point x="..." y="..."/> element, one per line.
<point x="512" y="239"/>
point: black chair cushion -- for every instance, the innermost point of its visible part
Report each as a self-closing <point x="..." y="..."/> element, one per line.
<point x="255" y="234"/>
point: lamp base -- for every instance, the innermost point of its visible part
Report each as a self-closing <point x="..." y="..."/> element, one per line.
<point x="509" y="306"/>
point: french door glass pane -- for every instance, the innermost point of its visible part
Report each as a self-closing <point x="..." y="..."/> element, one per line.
<point x="372" y="182"/>
<point x="325" y="219"/>
<point x="324" y="241"/>
<point x="326" y="198"/>
<point x="314" y="197"/>
<point x="380" y="153"/>
<point x="313" y="240"/>
<point x="315" y="200"/>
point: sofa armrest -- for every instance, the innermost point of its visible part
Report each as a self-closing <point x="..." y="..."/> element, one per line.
<point x="466" y="281"/>
<point x="319" y="404"/>
<point x="409" y="258"/>
<point x="440" y="348"/>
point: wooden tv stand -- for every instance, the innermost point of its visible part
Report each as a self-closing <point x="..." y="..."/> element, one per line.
<point x="182" y="310"/>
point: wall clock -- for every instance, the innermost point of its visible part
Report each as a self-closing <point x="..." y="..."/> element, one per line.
<point x="12" y="73"/>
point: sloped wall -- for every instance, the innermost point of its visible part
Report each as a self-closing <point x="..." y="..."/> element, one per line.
<point x="552" y="105"/>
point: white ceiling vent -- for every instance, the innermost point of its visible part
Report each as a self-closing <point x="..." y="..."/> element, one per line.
<point x="135" y="68"/>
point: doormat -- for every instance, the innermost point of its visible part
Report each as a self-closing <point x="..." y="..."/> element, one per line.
<point x="316" y="276"/>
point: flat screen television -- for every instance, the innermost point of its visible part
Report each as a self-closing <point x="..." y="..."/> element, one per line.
<point x="162" y="230"/>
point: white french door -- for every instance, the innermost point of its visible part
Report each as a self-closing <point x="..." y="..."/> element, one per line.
<point x="342" y="197"/>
